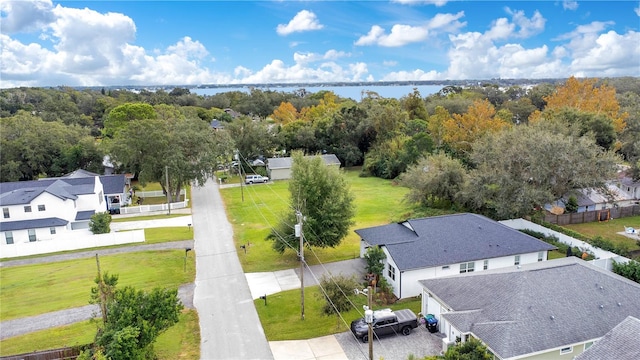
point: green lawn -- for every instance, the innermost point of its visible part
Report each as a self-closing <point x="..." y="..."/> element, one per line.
<point x="77" y="334"/>
<point x="609" y="230"/>
<point x="36" y="289"/>
<point x="377" y="202"/>
<point x="281" y="318"/>
<point x="181" y="341"/>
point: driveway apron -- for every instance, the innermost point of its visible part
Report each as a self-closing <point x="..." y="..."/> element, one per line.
<point x="229" y="324"/>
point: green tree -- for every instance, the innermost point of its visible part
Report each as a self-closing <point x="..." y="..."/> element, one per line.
<point x="121" y="115"/>
<point x="336" y="291"/>
<point x="31" y="147"/>
<point x="252" y="138"/>
<point x="630" y="269"/>
<point x="322" y="195"/>
<point x="572" y="204"/>
<point x="375" y="260"/>
<point x="100" y="223"/>
<point x="436" y="179"/>
<point x="526" y="167"/>
<point x="136" y="318"/>
<point x="470" y="350"/>
<point x="187" y="148"/>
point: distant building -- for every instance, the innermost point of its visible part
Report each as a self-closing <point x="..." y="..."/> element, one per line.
<point x="280" y="168"/>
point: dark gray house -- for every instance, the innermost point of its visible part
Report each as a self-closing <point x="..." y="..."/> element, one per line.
<point x="553" y="309"/>
<point x="446" y="245"/>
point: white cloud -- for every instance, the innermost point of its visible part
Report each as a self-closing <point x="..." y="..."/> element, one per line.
<point x="612" y="54"/>
<point x="278" y="72"/>
<point x="304" y="58"/>
<point x="446" y="22"/>
<point x="570" y="5"/>
<point x="412" y="75"/>
<point x="23" y="16"/>
<point x="417" y="2"/>
<point x="637" y="10"/>
<point x="303" y="21"/>
<point x="400" y="35"/>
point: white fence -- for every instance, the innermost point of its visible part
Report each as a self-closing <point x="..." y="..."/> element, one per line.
<point x="74" y="240"/>
<point x="155" y="193"/>
<point x="151" y="208"/>
<point x="604" y="259"/>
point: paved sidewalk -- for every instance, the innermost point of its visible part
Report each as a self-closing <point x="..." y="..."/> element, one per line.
<point x="322" y="348"/>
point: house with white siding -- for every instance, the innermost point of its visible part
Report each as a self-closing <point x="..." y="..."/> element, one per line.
<point x="446" y="245"/>
<point x="49" y="208"/>
<point x="556" y="309"/>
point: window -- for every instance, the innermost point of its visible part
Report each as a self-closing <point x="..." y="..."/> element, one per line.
<point x="392" y="272"/>
<point x="588" y="345"/>
<point x="52" y="231"/>
<point x="466" y="267"/>
<point x="540" y="256"/>
<point x="27" y="208"/>
<point x="32" y="235"/>
<point x="485" y="266"/>
<point x="41" y="208"/>
<point x="5" y="212"/>
<point x="516" y="260"/>
<point x="8" y="235"/>
<point x="567" y="350"/>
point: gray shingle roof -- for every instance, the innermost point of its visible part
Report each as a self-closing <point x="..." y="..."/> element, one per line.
<point x="541" y="306"/>
<point x="621" y="343"/>
<point x="22" y="192"/>
<point x="286" y="162"/>
<point x="84" y="215"/>
<point x="32" y="224"/>
<point x="113" y="184"/>
<point x="449" y="239"/>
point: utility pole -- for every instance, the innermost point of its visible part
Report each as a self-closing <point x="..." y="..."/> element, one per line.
<point x="103" y="301"/>
<point x="370" y="297"/>
<point x="240" y="174"/>
<point x="298" y="233"/>
<point x="166" y="181"/>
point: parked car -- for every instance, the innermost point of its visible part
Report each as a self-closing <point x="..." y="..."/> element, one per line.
<point x="252" y="179"/>
<point x="386" y="321"/>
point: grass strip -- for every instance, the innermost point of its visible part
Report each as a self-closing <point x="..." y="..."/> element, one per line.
<point x="281" y="318"/>
<point x="36" y="289"/>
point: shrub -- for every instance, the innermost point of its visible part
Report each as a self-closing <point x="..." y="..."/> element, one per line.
<point x="100" y="223"/>
<point x="336" y="291"/>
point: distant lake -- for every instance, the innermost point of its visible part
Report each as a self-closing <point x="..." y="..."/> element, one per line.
<point x="353" y="92"/>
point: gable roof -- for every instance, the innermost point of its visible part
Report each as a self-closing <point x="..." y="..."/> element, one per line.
<point x="537" y="307"/>
<point x="69" y="187"/>
<point x="286" y="162"/>
<point x="621" y="343"/>
<point x="449" y="239"/>
<point x="32" y="224"/>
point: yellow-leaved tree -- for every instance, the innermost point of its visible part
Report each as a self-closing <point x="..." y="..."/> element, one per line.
<point x="584" y="96"/>
<point x="460" y="131"/>
<point x="285" y="113"/>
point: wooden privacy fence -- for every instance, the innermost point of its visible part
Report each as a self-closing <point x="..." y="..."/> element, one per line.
<point x="593" y="215"/>
<point x="55" y="354"/>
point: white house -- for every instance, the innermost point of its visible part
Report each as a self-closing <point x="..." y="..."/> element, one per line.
<point x="553" y="309"/>
<point x="440" y="246"/>
<point x="280" y="168"/>
<point x="50" y="208"/>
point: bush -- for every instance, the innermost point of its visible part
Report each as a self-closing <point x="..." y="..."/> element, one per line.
<point x="336" y="291"/>
<point x="100" y="223"/>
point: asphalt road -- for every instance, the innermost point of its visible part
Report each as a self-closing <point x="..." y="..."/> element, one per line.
<point x="229" y="324"/>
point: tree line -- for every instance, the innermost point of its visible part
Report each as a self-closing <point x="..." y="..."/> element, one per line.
<point x="501" y="152"/>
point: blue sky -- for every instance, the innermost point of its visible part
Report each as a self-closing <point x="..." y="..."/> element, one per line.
<point x="110" y="43"/>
